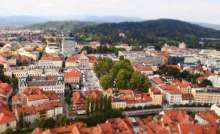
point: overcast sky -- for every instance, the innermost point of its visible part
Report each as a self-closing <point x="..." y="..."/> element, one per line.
<point x="189" y="10"/>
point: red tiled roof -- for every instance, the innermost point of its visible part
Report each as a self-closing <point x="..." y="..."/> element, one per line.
<point x="6" y="117"/>
<point x="141" y="67"/>
<point x="5" y="88"/>
<point x="209" y="116"/>
<point x="155" y="90"/>
<point x="37" y="108"/>
<point x="92" y="93"/>
<point x="33" y="90"/>
<point x="157" y="80"/>
<point x="190" y="128"/>
<point x="37" y="97"/>
<point x="71" y="73"/>
<point x="106" y="128"/>
<point x="92" y="59"/>
<point x="73" y="59"/>
<point x="77" y="97"/>
<point x="181" y="84"/>
<point x="174" y="66"/>
<point x="168" y="87"/>
<point x="176" y="116"/>
<point x="51" y="57"/>
<point x="2" y="60"/>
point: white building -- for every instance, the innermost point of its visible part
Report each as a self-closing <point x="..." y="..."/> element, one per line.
<point x="50" y="61"/>
<point x="215" y="79"/>
<point x="216" y="109"/>
<point x="46" y="110"/>
<point x="173" y="97"/>
<point x="53" y="48"/>
<point x="49" y="83"/>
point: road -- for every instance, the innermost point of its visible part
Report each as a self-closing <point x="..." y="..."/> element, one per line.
<point x="89" y="80"/>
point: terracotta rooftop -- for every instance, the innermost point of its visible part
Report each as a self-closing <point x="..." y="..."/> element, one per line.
<point x="5" y="88"/>
<point x="6" y="117"/>
<point x="209" y="116"/>
<point x="77" y="97"/>
<point x="37" y="97"/>
<point x="190" y="128"/>
<point x="176" y="116"/>
<point x="37" y="108"/>
<point x="141" y="67"/>
<point x="71" y="73"/>
<point x="2" y="60"/>
<point x="157" y="80"/>
<point x="106" y="128"/>
<point x="155" y="90"/>
<point x="51" y="57"/>
<point x="92" y="93"/>
<point x="181" y="84"/>
<point x="73" y="59"/>
<point x="92" y="58"/>
<point x="174" y="66"/>
<point x="170" y="88"/>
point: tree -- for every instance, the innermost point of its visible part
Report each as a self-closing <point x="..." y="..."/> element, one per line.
<point x="97" y="105"/>
<point x="68" y="95"/>
<point x="105" y="105"/>
<point x="38" y="122"/>
<point x="14" y="82"/>
<point x="103" y="66"/>
<point x="9" y="131"/>
<point x="49" y="123"/>
<point x="106" y="81"/>
<point x="206" y="83"/>
<point x="61" y="120"/>
<point x="121" y="73"/>
<point x="109" y="103"/>
<point x="21" y="121"/>
<point x="92" y="105"/>
<point x="88" y="103"/>
<point x="146" y="85"/>
<point x="137" y="80"/>
<point x="122" y="78"/>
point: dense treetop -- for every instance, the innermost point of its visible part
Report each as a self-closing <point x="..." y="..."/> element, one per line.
<point x="120" y="74"/>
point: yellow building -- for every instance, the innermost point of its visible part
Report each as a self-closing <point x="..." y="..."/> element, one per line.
<point x="211" y="96"/>
<point x="157" y="97"/>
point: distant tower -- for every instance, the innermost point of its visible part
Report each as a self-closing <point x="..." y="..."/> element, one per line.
<point x="60" y="79"/>
<point x="22" y="83"/>
<point x="62" y="43"/>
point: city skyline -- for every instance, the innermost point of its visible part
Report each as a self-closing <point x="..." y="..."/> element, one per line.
<point x="205" y="11"/>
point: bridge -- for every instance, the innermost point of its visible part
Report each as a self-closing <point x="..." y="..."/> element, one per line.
<point x="158" y="110"/>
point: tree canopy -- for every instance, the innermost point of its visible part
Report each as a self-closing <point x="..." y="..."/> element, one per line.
<point x="120" y="74"/>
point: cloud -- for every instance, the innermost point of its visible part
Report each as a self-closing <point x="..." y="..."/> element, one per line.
<point x="191" y="10"/>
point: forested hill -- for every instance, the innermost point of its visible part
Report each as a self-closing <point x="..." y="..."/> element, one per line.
<point x="147" y="31"/>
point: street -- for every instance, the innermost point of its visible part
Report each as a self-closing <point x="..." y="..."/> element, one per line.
<point x="89" y="80"/>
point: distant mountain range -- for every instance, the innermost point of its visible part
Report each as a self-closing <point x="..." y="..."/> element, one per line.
<point x="29" y="20"/>
<point x="21" y="20"/>
<point x="213" y="26"/>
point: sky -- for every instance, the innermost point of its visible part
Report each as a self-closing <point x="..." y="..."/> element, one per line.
<point x="207" y="11"/>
